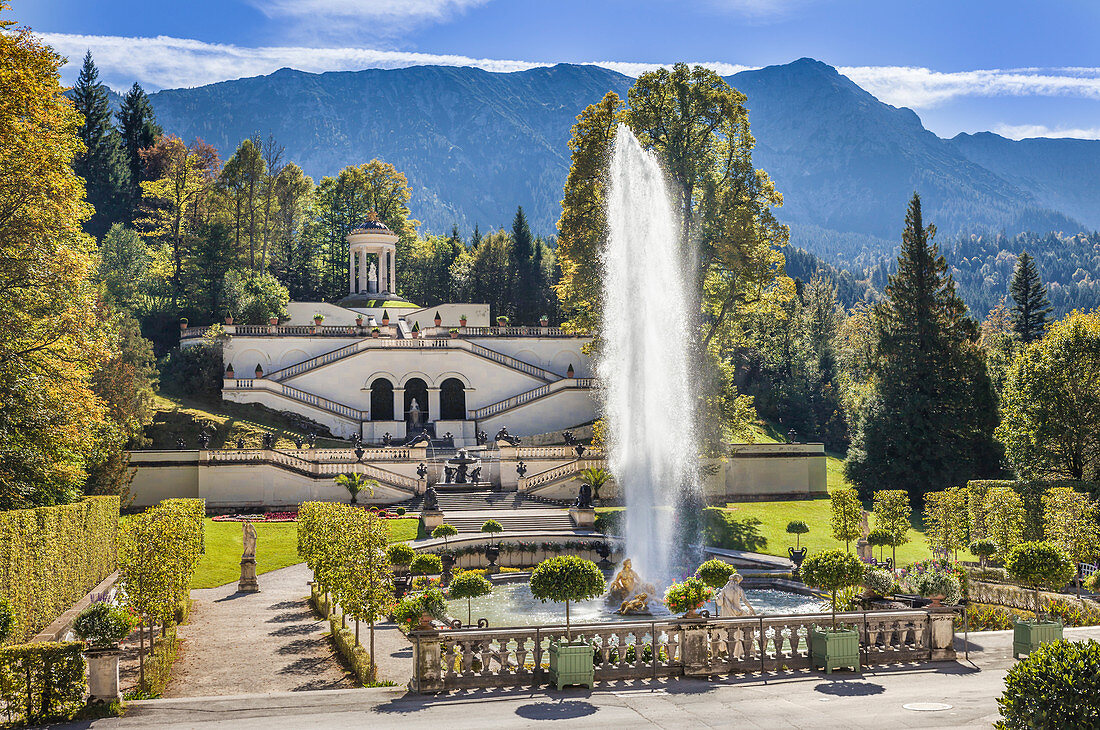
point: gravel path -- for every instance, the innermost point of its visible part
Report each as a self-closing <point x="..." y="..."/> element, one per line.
<point x="248" y="643"/>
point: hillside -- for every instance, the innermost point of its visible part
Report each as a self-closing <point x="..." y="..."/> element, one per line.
<point x="476" y="144"/>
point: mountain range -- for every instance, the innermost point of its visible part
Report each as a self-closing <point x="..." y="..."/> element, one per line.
<point x="476" y="144"/>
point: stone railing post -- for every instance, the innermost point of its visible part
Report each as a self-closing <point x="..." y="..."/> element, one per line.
<point x="941" y="629"/>
<point x="427" y="663"/>
<point x="694" y="655"/>
<point x="103" y="687"/>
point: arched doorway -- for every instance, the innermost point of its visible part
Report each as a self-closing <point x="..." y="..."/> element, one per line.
<point x="452" y="400"/>
<point x="381" y="400"/>
<point x="416" y="389"/>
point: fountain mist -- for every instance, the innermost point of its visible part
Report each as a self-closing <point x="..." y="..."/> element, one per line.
<point x="644" y="363"/>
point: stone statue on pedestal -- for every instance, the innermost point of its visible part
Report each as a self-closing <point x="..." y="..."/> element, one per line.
<point x="248" y="583"/>
<point x="864" y="551"/>
<point x="414" y="413"/>
<point x="731" y="599"/>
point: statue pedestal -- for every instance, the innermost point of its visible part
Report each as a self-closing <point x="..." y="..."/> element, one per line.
<point x="248" y="583"/>
<point x="432" y="519"/>
<point x="584" y="518"/>
<point x="103" y="676"/>
<point x="864" y="551"/>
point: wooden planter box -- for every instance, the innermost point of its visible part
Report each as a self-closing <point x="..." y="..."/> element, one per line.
<point x="834" y="649"/>
<point x="571" y="664"/>
<point x="1028" y="635"/>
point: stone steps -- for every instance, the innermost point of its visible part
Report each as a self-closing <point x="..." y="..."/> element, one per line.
<point x="543" y="521"/>
<point x="476" y="501"/>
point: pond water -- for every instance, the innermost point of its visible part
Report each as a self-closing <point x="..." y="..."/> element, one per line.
<point x="511" y="604"/>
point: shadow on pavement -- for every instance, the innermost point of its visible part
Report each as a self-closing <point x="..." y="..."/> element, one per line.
<point x="845" y="688"/>
<point x="564" y="710"/>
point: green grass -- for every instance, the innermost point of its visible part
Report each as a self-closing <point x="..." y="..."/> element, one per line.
<point x="276" y="547"/>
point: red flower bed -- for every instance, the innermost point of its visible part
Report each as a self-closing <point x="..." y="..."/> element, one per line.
<point x="259" y="517"/>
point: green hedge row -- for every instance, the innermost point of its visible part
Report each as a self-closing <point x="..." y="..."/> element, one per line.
<point x="41" y="681"/>
<point x="1031" y="494"/>
<point x="356" y="655"/>
<point x="50" y="557"/>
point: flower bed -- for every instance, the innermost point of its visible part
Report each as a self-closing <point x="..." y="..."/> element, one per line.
<point x="258" y="517"/>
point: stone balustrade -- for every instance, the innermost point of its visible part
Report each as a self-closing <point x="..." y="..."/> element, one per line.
<point x="289" y="460"/>
<point x="518" y="657"/>
<point x="536" y="453"/>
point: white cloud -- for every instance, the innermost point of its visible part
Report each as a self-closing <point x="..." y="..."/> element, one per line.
<point x="756" y="8"/>
<point x="925" y="88"/>
<point x="1024" y="131"/>
<point x="392" y="15"/>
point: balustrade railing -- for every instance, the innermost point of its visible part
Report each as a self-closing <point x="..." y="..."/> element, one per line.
<point x="553" y="474"/>
<point x="669" y="648"/>
<point x="292" y="461"/>
<point x="530" y="395"/>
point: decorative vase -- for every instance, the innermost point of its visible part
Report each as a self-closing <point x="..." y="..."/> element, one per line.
<point x="374" y="334"/>
<point x="228" y="320"/>
<point x="438" y="321"/>
<point x="103" y="685"/>
<point x="693" y="612"/>
<point x="454" y="335"/>
<point x="425" y="622"/>
<point x="937" y="601"/>
<point x="273" y="321"/>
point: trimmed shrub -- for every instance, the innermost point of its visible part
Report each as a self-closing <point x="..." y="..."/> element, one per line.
<point x="356" y="655"/>
<point x="715" y="573"/>
<point x="469" y="585"/>
<point x="400" y="555"/>
<point x="1039" y="565"/>
<point x="102" y="625"/>
<point x="878" y="581"/>
<point x="426" y="564"/>
<point x="492" y="527"/>
<point x="983" y="549"/>
<point x="1056" y="686"/>
<point x="50" y="557"/>
<point x="42" y="681"/>
<point x="798" y="528"/>
<point x="7" y="618"/>
<point x="566" y="578"/>
<point x="833" y="570"/>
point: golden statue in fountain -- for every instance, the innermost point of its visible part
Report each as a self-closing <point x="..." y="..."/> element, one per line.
<point x="628" y="590"/>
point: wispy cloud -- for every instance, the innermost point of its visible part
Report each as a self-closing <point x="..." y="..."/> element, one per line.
<point x="925" y="88"/>
<point x="391" y="15"/>
<point x="757" y="9"/>
<point x="1024" y="131"/>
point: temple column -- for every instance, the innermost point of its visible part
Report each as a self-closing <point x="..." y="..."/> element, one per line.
<point x="392" y="269"/>
<point x="351" y="271"/>
<point x="433" y="406"/>
<point x="362" y="270"/>
<point x="378" y="274"/>
<point x="399" y="404"/>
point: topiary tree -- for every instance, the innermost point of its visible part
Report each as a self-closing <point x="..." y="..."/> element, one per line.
<point x="469" y="585"/>
<point x="1069" y="519"/>
<point x="1005" y="517"/>
<point x="492" y="527"/>
<point x="893" y="514"/>
<point x="847" y="513"/>
<point x="400" y="555"/>
<point x="103" y="625"/>
<point x="715" y="573"/>
<point x="1054" y="687"/>
<point x="567" y="578"/>
<point x="445" y="531"/>
<point x="832" y="570"/>
<point x="983" y="549"/>
<point x="798" y="528"/>
<point x="426" y="564"/>
<point x="1038" y="565"/>
<point x="879" y="538"/>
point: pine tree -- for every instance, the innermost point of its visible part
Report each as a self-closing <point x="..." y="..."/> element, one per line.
<point x="475" y="239"/>
<point x="103" y="164"/>
<point x="1030" y="307"/>
<point x="523" y="249"/>
<point x="139" y="130"/>
<point x="929" y="420"/>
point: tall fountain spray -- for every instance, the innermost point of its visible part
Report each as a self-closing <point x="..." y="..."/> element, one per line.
<point x="644" y="364"/>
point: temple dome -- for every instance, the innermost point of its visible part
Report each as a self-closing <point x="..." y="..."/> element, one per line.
<point x="373" y="226"/>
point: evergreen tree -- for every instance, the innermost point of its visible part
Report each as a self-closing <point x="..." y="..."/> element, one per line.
<point x="103" y="164"/>
<point x="929" y="420"/>
<point x="523" y="264"/>
<point x="475" y="239"/>
<point x="139" y="130"/>
<point x="1030" y="307"/>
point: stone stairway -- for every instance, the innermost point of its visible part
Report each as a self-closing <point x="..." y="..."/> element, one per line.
<point x="477" y="501"/>
<point x="520" y="521"/>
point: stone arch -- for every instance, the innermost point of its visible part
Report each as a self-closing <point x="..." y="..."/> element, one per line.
<point x="416" y="375"/>
<point x="452" y="400"/>
<point x="457" y="376"/>
<point x="381" y="399"/>
<point x="292" y="357"/>
<point x="246" y="363"/>
<point x="529" y="357"/>
<point x="416" y="388"/>
<point x="561" y="361"/>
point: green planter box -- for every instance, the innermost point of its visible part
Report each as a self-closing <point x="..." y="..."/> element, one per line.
<point x="834" y="649"/>
<point x="1028" y="635"/>
<point x="571" y="664"/>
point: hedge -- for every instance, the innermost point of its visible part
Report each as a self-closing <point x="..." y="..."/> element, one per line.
<point x="50" y="557"/>
<point x="1031" y="492"/>
<point x="356" y="655"/>
<point x="42" y="681"/>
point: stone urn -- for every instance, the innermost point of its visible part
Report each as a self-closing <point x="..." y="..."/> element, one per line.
<point x="103" y="687"/>
<point x="492" y="554"/>
<point x="937" y="600"/>
<point x="693" y="612"/>
<point x="796" y="556"/>
<point x="425" y="622"/>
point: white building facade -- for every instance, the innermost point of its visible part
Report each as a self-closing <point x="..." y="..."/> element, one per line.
<point x="374" y="365"/>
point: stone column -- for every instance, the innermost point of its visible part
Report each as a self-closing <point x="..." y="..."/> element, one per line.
<point x="941" y="628"/>
<point x="351" y="271"/>
<point x="103" y="676"/>
<point x="427" y="663"/>
<point x="399" y="404"/>
<point x="378" y="274"/>
<point x="392" y="269"/>
<point x="432" y="414"/>
<point x="362" y="270"/>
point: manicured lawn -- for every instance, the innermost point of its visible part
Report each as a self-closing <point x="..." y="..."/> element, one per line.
<point x="276" y="547"/>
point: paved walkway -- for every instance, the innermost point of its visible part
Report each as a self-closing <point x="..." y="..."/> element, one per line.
<point x="256" y="643"/>
<point x="875" y="699"/>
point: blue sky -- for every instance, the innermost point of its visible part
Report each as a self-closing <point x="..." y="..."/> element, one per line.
<point x="1019" y="68"/>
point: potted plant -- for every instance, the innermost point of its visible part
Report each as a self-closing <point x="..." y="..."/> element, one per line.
<point x="400" y="555"/>
<point x="568" y="578"/>
<point x="879" y="583"/>
<point x="273" y="320"/>
<point x="259" y="370"/>
<point x="544" y="320"/>
<point x="688" y="596"/>
<point x="229" y="372"/>
<point x="438" y="320"/>
<point x="385" y="317"/>
<point x="1037" y="565"/>
<point x="502" y="321"/>
<point x="462" y="321"/>
<point x="101" y="626"/>
<point x="359" y="320"/>
<point x="454" y="333"/>
<point x="229" y="318"/>
<point x="983" y="549"/>
<point x="492" y="527"/>
<point x="469" y="585"/>
<point x="833" y="570"/>
<point x="715" y="574"/>
<point x="183" y="324"/>
<point x="939" y="587"/>
<point x="418" y="610"/>
<point x="416" y="330"/>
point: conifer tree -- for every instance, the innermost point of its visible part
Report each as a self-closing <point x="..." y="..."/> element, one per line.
<point x="1030" y="306"/>
<point x="138" y="128"/>
<point x="523" y="249"/>
<point x="928" y="421"/>
<point x="103" y="164"/>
